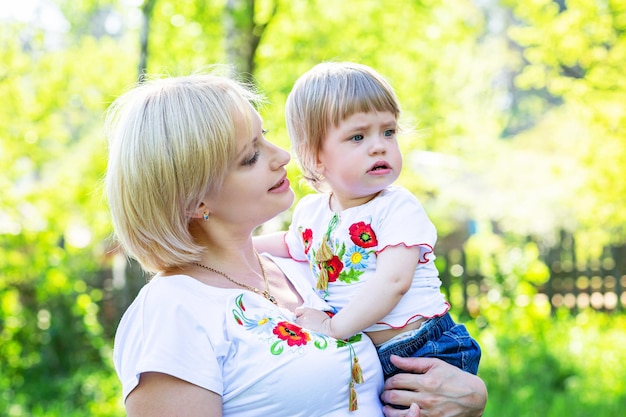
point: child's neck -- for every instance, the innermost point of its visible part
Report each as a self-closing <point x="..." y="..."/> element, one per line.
<point x="338" y="204"/>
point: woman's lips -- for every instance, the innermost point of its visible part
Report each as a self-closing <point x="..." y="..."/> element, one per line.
<point x="281" y="185"/>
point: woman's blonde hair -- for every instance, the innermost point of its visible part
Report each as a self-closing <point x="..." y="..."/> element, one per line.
<point x="323" y="97"/>
<point x="171" y="141"/>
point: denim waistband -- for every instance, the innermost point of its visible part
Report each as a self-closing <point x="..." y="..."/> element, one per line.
<point x="431" y="329"/>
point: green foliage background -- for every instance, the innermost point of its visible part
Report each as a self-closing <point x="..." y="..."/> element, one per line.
<point x="518" y="109"/>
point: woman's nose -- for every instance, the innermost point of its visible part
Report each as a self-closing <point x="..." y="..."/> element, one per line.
<point x="280" y="158"/>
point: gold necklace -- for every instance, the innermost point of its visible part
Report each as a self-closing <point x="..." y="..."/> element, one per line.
<point x="265" y="293"/>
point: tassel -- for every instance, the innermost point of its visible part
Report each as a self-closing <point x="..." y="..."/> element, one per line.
<point x="357" y="373"/>
<point x="322" y="279"/>
<point x="354" y="404"/>
<point x="324" y="253"/>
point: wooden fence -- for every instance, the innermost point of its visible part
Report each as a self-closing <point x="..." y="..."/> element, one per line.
<point x="599" y="284"/>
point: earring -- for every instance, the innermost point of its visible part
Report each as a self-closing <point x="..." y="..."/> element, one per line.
<point x="205" y="216"/>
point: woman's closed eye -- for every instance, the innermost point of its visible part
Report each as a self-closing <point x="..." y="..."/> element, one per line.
<point x="255" y="157"/>
<point x="252" y="160"/>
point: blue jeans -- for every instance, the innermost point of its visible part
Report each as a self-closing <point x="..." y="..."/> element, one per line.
<point x="439" y="337"/>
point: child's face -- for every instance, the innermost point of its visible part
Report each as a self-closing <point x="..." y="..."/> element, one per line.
<point x="360" y="157"/>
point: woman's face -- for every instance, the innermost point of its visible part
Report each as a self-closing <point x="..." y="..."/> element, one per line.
<point x="256" y="188"/>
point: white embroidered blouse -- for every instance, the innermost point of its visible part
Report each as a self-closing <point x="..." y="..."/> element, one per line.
<point x="355" y="236"/>
<point x="239" y="345"/>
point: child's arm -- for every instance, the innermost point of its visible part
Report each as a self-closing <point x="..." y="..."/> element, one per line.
<point x="272" y="243"/>
<point x="395" y="267"/>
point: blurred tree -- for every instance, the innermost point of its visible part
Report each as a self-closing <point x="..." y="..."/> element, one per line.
<point x="144" y="34"/>
<point x="574" y="52"/>
<point x="52" y="226"/>
<point x="243" y="32"/>
<point x="517" y="109"/>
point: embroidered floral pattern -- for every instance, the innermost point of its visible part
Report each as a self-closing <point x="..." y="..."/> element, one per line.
<point x="333" y="267"/>
<point x="356" y="258"/>
<point x="362" y="235"/>
<point x="307" y="240"/>
<point x="278" y="331"/>
<point x="333" y="261"/>
<point x="291" y="333"/>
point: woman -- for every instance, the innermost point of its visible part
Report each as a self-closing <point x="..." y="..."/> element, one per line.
<point x="190" y="177"/>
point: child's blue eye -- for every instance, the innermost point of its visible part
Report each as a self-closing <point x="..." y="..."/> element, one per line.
<point x="390" y="132"/>
<point x="357" y="138"/>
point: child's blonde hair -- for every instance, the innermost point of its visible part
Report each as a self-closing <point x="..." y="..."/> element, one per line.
<point x="323" y="97"/>
<point x="171" y="141"/>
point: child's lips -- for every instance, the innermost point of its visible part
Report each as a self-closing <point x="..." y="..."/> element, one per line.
<point x="380" y="166"/>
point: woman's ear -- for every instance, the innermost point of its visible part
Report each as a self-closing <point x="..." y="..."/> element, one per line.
<point x="202" y="212"/>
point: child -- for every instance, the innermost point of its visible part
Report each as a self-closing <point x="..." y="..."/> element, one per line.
<point x="369" y="244"/>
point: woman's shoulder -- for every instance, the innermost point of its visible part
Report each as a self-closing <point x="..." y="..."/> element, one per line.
<point x="170" y="306"/>
<point x="172" y="288"/>
<point x="170" y="327"/>
<point x="164" y="297"/>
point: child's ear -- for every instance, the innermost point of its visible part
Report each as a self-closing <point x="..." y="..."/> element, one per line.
<point x="319" y="165"/>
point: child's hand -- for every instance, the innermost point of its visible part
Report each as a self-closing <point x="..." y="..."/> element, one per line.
<point x="312" y="319"/>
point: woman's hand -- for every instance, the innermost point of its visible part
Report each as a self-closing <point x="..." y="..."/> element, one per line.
<point x="412" y="411"/>
<point x="438" y="388"/>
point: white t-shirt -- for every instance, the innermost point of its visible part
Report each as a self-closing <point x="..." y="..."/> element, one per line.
<point x="355" y="236"/>
<point x="239" y="345"/>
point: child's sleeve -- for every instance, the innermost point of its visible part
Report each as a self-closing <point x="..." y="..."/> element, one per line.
<point x="295" y="238"/>
<point x="403" y="221"/>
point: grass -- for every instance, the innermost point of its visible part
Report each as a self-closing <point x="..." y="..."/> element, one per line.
<point x="537" y="364"/>
<point x="534" y="364"/>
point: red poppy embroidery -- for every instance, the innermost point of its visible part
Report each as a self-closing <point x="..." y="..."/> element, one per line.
<point x="362" y="235"/>
<point x="307" y="240"/>
<point x="334" y="266"/>
<point x="292" y="334"/>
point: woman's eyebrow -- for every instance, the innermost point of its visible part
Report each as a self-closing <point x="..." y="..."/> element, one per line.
<point x="245" y="147"/>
